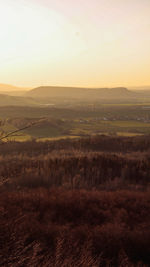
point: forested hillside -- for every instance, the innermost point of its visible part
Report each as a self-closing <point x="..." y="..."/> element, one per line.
<point x="83" y="202"/>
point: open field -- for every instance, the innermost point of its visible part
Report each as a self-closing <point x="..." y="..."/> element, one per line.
<point x="51" y="129"/>
<point x="79" y="121"/>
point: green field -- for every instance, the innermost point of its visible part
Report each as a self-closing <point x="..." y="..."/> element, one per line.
<point x="129" y="124"/>
<point x="53" y="129"/>
<point x="126" y="120"/>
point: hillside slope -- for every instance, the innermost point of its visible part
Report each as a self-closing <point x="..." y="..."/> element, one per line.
<point x="8" y="87"/>
<point x="76" y="92"/>
<point x="7" y="100"/>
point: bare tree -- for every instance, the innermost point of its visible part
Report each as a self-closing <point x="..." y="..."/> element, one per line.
<point x="4" y="135"/>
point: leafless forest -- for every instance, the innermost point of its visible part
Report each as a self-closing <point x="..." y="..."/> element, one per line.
<point x="83" y="202"/>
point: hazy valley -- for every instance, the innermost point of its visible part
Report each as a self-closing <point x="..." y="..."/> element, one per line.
<point x="73" y="112"/>
<point x="74" y="177"/>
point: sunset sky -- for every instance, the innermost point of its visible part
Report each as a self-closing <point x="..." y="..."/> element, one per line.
<point x="91" y="43"/>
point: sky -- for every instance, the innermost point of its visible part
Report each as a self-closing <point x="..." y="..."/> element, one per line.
<point x="87" y="43"/>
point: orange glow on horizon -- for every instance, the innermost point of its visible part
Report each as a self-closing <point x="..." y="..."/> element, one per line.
<point x="68" y="43"/>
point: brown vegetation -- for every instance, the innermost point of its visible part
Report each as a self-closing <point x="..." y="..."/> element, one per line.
<point x="71" y="203"/>
<point x="75" y="228"/>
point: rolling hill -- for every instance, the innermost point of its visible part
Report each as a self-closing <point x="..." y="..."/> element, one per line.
<point x="80" y="93"/>
<point x="50" y="95"/>
<point x="7" y="100"/>
<point x="8" y="87"/>
<point x="12" y="90"/>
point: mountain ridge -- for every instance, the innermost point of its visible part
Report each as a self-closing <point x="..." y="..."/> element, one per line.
<point x="45" y="93"/>
<point x="78" y="92"/>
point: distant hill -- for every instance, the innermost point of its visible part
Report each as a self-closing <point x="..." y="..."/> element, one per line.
<point x="7" y="87"/>
<point x="50" y="95"/>
<point x="141" y="88"/>
<point x="12" y="90"/>
<point x="14" y="93"/>
<point x="76" y="92"/>
<point x="6" y="100"/>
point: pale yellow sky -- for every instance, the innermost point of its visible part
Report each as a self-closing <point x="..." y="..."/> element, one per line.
<point x="91" y="43"/>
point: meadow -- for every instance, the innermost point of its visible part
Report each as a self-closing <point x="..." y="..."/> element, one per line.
<point x="76" y="121"/>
